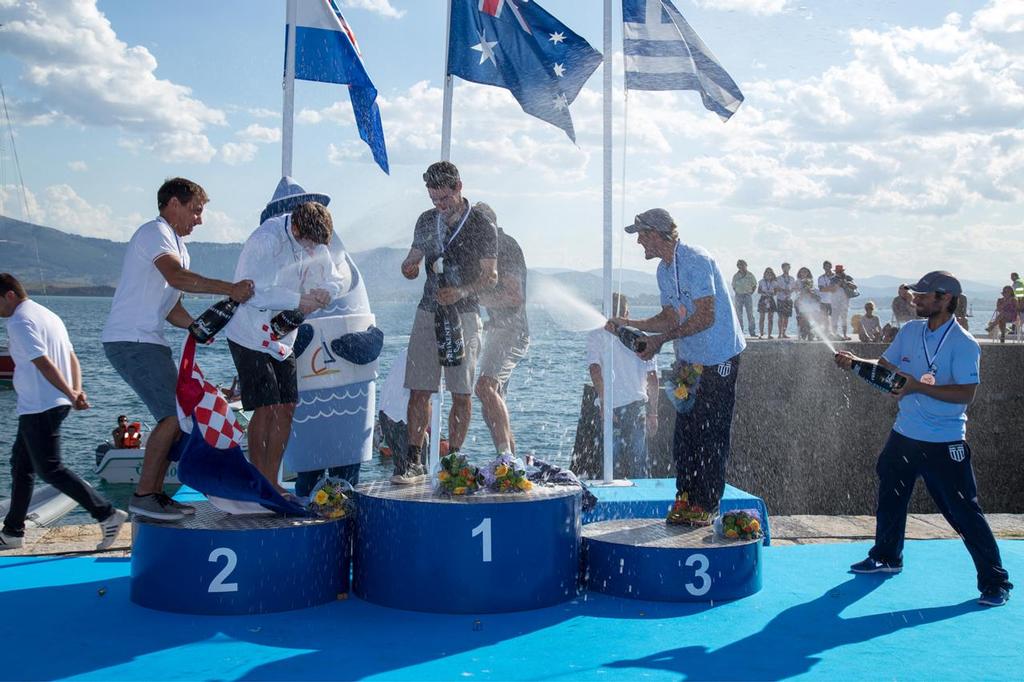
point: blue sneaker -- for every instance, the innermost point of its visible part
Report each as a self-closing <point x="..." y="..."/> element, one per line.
<point x="870" y="565"/>
<point x="994" y="596"/>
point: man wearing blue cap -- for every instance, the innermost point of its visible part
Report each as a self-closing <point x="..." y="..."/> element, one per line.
<point x="698" y="316"/>
<point x="940" y="362"/>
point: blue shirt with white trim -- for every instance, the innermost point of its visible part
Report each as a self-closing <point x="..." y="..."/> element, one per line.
<point x="957" y="361"/>
<point x="693" y="274"/>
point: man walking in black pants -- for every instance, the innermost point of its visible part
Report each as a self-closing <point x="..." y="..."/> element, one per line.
<point x="48" y="380"/>
<point x="940" y="362"/>
<point x="698" y="316"/>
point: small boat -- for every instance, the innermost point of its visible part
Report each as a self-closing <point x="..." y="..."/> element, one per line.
<point x="48" y="506"/>
<point x="6" y="368"/>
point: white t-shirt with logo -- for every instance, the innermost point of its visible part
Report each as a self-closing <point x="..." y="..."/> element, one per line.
<point x="629" y="372"/>
<point x="32" y="332"/>
<point x="144" y="298"/>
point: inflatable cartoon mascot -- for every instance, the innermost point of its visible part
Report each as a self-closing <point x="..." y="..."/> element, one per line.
<point x="336" y="352"/>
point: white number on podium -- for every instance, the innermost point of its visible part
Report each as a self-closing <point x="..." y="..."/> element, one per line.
<point x="218" y="584"/>
<point x="701" y="572"/>
<point x="485" y="529"/>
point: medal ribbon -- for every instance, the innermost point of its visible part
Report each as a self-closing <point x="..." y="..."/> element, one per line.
<point x="440" y="238"/>
<point x="930" y="359"/>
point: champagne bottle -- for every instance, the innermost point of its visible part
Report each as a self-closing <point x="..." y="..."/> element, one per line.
<point x="213" y="319"/>
<point x="285" y="322"/>
<point x="447" y="326"/>
<point x="882" y="378"/>
<point x="632" y="338"/>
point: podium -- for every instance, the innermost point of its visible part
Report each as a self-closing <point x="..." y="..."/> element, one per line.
<point x="481" y="553"/>
<point x="214" y="563"/>
<point x="648" y="559"/>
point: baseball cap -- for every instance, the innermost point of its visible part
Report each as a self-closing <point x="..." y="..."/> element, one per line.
<point x="656" y="219"/>
<point x="938" y="281"/>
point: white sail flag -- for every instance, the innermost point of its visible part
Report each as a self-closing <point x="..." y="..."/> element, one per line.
<point x="662" y="52"/>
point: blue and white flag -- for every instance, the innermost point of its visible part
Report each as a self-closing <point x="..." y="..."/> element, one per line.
<point x="662" y="52"/>
<point x="516" y="44"/>
<point x="326" y="51"/>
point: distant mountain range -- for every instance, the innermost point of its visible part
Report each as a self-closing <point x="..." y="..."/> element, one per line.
<point x="72" y="264"/>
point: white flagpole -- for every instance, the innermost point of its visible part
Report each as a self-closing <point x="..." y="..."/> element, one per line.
<point x="608" y="371"/>
<point x="437" y="402"/>
<point x="288" y="108"/>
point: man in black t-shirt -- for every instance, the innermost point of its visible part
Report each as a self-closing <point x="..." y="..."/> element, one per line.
<point x="506" y="335"/>
<point x="467" y="243"/>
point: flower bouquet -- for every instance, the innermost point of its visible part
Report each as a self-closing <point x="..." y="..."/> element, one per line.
<point x="455" y="476"/>
<point x="739" y="524"/>
<point x="331" y="498"/>
<point x="681" y="385"/>
<point x="506" y="474"/>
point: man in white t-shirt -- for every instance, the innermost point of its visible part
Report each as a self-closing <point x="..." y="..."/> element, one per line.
<point x="634" y="397"/>
<point x="48" y="380"/>
<point x="827" y="288"/>
<point x="153" y="276"/>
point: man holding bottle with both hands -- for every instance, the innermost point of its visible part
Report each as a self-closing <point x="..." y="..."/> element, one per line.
<point x="939" y="362"/>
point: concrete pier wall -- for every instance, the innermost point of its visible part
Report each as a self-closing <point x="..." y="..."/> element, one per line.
<point x="806" y="435"/>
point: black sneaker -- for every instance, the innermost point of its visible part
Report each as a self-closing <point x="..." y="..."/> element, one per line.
<point x="400" y="467"/>
<point x="870" y="565"/>
<point x="994" y="596"/>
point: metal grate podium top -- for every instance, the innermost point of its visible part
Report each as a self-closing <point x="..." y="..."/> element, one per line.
<point x="423" y="492"/>
<point x="655" y="533"/>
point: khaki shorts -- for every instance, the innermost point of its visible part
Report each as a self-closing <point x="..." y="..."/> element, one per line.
<point x="503" y="349"/>
<point x="423" y="368"/>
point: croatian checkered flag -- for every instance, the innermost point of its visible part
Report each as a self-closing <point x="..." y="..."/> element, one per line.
<point x="210" y="455"/>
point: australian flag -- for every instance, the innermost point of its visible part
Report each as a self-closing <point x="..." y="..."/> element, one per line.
<point x="210" y="453"/>
<point x="662" y="52"/>
<point x="326" y="51"/>
<point x="516" y="44"/>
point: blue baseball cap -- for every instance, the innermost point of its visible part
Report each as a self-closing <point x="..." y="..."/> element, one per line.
<point x="937" y="281"/>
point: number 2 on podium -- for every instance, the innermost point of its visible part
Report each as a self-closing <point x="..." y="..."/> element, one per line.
<point x="485" y="529"/>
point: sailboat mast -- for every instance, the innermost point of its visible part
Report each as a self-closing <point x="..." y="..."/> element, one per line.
<point x="446" y="111"/>
<point x="608" y="369"/>
<point x="288" y="107"/>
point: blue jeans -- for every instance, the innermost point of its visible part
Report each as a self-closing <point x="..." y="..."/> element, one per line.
<point x="307" y="479"/>
<point x="629" y="450"/>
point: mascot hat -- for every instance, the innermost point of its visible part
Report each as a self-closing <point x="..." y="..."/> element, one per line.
<point x="288" y="195"/>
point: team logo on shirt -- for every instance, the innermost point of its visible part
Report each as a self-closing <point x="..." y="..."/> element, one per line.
<point x="725" y="369"/>
<point x="957" y="452"/>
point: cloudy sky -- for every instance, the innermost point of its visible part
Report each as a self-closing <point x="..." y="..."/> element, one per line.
<point x="884" y="135"/>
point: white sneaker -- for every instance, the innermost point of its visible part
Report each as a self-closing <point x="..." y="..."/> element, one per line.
<point x="110" y="527"/>
<point x="10" y="541"/>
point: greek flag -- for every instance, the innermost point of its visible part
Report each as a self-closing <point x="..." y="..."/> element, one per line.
<point x="662" y="52"/>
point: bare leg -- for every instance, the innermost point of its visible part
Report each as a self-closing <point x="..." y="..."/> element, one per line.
<point x="277" y="440"/>
<point x="495" y="413"/>
<point x="458" y="418"/>
<point x="154" y="459"/>
<point x="418" y="415"/>
<point x="258" y="435"/>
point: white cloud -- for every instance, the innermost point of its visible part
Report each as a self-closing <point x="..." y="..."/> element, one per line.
<point x="218" y="226"/>
<point x="382" y="7"/>
<point x="751" y="6"/>
<point x="78" y="166"/>
<point x="260" y="134"/>
<point x="82" y="73"/>
<point x="236" y="153"/>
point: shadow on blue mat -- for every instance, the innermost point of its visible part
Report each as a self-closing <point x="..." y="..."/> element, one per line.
<point x="789" y="644"/>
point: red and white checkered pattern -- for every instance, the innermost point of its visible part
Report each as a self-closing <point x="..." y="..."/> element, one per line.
<point x="197" y="396"/>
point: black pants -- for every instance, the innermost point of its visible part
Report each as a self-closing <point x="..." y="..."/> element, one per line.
<point x="948" y="474"/>
<point x="702" y="436"/>
<point x="37" y="451"/>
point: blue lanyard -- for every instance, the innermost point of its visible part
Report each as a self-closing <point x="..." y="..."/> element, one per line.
<point x="440" y="238"/>
<point x="930" y="359"/>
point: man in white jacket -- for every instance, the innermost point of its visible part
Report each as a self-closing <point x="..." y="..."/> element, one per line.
<point x="287" y="259"/>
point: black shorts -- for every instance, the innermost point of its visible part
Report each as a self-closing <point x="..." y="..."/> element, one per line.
<point x="263" y="380"/>
<point x="785" y="308"/>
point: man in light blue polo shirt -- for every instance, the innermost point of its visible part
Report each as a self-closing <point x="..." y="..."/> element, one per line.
<point x="940" y="362"/>
<point x="698" y="316"/>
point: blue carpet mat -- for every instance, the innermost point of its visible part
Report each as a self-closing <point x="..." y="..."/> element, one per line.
<point x="71" y="618"/>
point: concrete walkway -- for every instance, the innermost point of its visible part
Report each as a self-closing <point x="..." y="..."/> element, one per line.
<point x="80" y="540"/>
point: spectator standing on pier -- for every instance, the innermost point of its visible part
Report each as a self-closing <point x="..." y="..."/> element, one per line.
<point x="809" y="308"/>
<point x="903" y="306"/>
<point x="698" y="316"/>
<point x="635" y="394"/>
<point x="154" y="273"/>
<point x="48" y="381"/>
<point x="845" y="289"/>
<point x="467" y="241"/>
<point x="506" y="335"/>
<point x="826" y="288"/>
<point x="744" y="284"/>
<point x="766" y="302"/>
<point x="1018" y="288"/>
<point x="941" y="364"/>
<point x="785" y="287"/>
